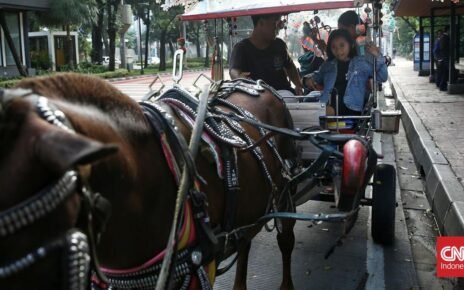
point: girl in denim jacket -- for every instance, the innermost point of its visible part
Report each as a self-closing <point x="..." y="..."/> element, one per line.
<point x="346" y="73"/>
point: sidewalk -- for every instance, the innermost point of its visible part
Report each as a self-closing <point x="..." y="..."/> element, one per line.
<point x="434" y="124"/>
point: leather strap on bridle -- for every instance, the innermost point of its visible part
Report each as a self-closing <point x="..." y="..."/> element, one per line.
<point x="95" y="213"/>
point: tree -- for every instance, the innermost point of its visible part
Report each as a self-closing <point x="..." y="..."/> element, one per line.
<point x="68" y="13"/>
<point x="165" y="23"/>
<point x="97" y="33"/>
<point x="194" y="34"/>
<point x="112" y="11"/>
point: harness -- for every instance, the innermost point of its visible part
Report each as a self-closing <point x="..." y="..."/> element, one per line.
<point x="228" y="135"/>
<point x="196" y="244"/>
<point x="194" y="265"/>
<point x="78" y="249"/>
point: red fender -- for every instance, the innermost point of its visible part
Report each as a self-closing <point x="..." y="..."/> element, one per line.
<point x="354" y="167"/>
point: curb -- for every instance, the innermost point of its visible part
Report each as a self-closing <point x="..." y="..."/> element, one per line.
<point x="443" y="190"/>
<point x="152" y="75"/>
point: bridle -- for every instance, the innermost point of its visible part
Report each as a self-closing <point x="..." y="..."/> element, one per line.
<point x="76" y="260"/>
<point x="79" y="248"/>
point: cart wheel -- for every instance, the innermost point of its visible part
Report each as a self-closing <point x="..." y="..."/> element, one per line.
<point x="384" y="204"/>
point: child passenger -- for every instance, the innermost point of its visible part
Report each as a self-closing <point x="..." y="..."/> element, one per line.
<point x="346" y="73"/>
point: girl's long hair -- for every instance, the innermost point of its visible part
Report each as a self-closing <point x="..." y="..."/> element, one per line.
<point x="344" y="34"/>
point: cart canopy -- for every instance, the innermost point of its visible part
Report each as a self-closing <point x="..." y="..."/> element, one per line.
<point x="211" y="9"/>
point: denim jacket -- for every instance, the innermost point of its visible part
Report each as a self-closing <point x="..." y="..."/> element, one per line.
<point x="359" y="71"/>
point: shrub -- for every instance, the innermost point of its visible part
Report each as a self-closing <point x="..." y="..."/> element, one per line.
<point x="113" y="74"/>
<point x="9" y="83"/>
<point x="40" y="60"/>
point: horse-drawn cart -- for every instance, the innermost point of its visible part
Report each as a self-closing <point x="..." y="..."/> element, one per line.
<point x="337" y="158"/>
<point x="336" y="151"/>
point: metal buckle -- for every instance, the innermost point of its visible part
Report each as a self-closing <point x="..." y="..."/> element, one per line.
<point x="177" y="69"/>
<point x="154" y="93"/>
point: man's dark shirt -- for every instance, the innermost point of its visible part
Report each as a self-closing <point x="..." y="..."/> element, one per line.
<point x="444" y="45"/>
<point x="266" y="64"/>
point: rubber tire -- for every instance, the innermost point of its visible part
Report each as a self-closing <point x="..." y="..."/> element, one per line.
<point x="384" y="204"/>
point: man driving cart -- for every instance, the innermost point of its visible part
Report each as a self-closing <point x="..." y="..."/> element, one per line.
<point x="264" y="56"/>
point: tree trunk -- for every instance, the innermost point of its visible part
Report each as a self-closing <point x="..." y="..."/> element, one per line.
<point x="122" y="49"/>
<point x="11" y="45"/>
<point x="112" y="7"/>
<point x="207" y="55"/>
<point x="97" y="35"/>
<point x="162" y="50"/>
<point x="197" y="40"/>
<point x="171" y="47"/>
<point x="70" y="48"/>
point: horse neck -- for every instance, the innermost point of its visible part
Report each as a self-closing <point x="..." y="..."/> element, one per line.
<point x="138" y="184"/>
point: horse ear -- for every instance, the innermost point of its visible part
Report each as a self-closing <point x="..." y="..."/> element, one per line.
<point x="60" y="151"/>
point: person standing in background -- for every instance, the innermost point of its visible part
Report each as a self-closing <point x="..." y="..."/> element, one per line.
<point x="445" y="58"/>
<point x="437" y="57"/>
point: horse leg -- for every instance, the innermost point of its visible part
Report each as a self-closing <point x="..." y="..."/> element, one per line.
<point x="286" y="241"/>
<point x="242" y="265"/>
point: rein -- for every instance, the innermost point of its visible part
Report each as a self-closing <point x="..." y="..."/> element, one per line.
<point x="45" y="201"/>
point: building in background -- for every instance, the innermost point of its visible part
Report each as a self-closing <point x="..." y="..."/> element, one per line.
<point x="16" y="14"/>
<point x="48" y="50"/>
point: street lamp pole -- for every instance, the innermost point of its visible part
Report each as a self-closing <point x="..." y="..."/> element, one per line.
<point x="140" y="47"/>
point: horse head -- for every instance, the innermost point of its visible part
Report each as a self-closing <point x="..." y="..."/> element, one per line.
<point x="42" y="176"/>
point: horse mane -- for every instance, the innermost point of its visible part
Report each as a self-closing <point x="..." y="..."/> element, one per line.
<point x="89" y="95"/>
<point x="81" y="89"/>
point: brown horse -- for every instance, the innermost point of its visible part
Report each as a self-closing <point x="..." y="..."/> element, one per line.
<point x="137" y="179"/>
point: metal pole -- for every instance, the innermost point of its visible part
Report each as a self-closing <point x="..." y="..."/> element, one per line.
<point x="432" y="44"/>
<point x="421" y="44"/>
<point x="376" y="29"/>
<point x="458" y="34"/>
<point x="452" y="43"/>
<point x="140" y="47"/>
<point x="147" y="35"/>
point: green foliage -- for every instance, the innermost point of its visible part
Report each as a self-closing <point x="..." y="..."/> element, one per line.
<point x="404" y="35"/>
<point x="113" y="74"/>
<point x="40" y="60"/>
<point x="132" y="39"/>
<point x="89" y="68"/>
<point x="69" y="12"/>
<point x="85" y="67"/>
<point x="8" y="83"/>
